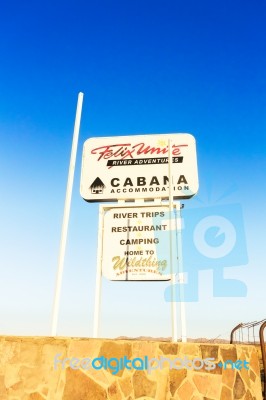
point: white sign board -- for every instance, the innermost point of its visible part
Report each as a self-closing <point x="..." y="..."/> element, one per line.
<point x="136" y="167"/>
<point x="131" y="240"/>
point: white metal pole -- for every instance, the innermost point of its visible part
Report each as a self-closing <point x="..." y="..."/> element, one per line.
<point x="181" y="275"/>
<point x="173" y="275"/>
<point x="98" y="287"/>
<point x="62" y="248"/>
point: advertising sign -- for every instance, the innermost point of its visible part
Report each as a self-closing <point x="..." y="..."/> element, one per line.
<point x="130" y="241"/>
<point x="136" y="167"/>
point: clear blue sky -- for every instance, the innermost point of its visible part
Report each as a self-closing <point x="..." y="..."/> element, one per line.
<point x="144" y="67"/>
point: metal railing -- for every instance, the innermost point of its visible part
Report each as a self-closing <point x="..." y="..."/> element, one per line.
<point x="244" y="335"/>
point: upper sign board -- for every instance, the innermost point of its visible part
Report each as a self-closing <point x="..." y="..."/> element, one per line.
<point x="136" y="167"/>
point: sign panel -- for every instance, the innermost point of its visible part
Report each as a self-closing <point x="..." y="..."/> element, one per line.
<point x="136" y="167"/>
<point x="131" y="241"/>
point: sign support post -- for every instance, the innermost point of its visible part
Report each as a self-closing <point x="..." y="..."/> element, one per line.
<point x="98" y="286"/>
<point x="181" y="274"/>
<point x="62" y="249"/>
<point x="173" y="275"/>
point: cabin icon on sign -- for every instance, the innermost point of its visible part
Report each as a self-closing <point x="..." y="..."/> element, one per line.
<point x="97" y="186"/>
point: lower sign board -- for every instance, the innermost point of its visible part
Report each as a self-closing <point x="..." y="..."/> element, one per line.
<point x="132" y="244"/>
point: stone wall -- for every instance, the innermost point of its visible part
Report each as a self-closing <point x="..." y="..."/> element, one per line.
<point x="27" y="371"/>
